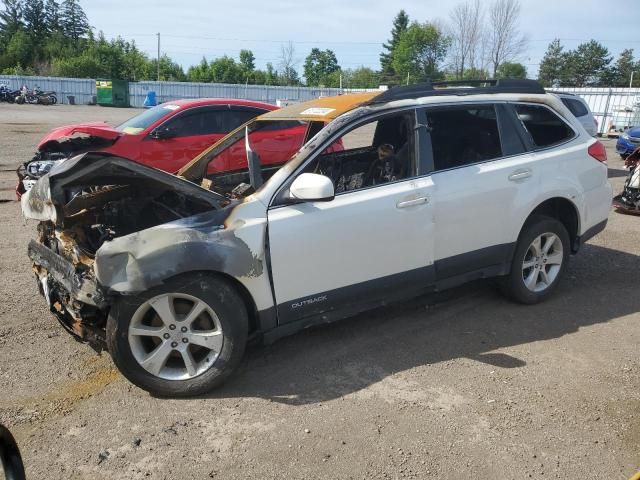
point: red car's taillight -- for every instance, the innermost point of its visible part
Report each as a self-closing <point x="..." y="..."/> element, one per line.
<point x="597" y="151"/>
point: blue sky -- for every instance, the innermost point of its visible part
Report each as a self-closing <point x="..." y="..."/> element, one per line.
<point x="353" y="29"/>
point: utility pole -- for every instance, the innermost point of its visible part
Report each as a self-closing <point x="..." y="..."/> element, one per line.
<point x="158" y="55"/>
<point x="631" y="81"/>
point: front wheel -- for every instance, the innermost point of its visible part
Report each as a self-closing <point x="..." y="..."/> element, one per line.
<point x="539" y="260"/>
<point x="181" y="339"/>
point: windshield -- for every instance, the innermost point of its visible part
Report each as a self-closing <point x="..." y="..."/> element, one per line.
<point x="147" y="118"/>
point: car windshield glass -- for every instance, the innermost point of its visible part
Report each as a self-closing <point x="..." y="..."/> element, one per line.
<point x="140" y="122"/>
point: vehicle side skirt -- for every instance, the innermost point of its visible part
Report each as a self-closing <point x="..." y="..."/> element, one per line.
<point x="327" y="307"/>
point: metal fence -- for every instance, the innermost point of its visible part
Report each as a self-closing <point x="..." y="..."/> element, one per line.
<point x="614" y="108"/>
<point x="84" y="90"/>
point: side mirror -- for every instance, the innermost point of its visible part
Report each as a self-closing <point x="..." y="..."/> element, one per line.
<point x="162" y="133"/>
<point x="312" y="187"/>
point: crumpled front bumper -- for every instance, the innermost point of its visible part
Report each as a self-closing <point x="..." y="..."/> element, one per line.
<point x="72" y="294"/>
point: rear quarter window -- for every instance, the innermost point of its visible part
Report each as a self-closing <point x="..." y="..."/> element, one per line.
<point x="544" y="126"/>
<point x="575" y="106"/>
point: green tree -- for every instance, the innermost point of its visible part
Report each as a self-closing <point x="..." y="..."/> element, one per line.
<point x="200" y="72"/>
<point x="271" y="75"/>
<point x="623" y="68"/>
<point x="35" y="20"/>
<point x="420" y="52"/>
<point x="318" y="65"/>
<point x="553" y="69"/>
<point x="52" y="16"/>
<point x="511" y="70"/>
<point x="10" y="19"/>
<point x="19" y="51"/>
<point x="73" y="20"/>
<point x="225" y="70"/>
<point x="247" y="60"/>
<point x="400" y="25"/>
<point x="361" y="77"/>
<point x="288" y="76"/>
<point x="589" y="65"/>
<point x="170" y="71"/>
<point x="475" y="74"/>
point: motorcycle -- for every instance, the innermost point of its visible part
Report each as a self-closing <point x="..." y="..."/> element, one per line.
<point x="35" y="96"/>
<point x="629" y="200"/>
<point x="45" y="98"/>
<point x="7" y="94"/>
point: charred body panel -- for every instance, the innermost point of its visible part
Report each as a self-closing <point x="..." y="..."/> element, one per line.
<point x="110" y="226"/>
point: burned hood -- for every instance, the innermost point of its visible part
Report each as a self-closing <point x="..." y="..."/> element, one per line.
<point x="56" y="189"/>
<point x="93" y="129"/>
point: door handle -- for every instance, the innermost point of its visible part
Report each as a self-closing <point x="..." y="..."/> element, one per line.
<point x="520" y="175"/>
<point x="413" y="202"/>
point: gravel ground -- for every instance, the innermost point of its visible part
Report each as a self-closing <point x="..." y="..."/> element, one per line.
<point x="461" y="385"/>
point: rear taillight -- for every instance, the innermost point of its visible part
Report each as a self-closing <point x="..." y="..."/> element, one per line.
<point x="597" y="151"/>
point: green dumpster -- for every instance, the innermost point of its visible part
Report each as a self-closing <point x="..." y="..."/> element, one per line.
<point x="112" y="93"/>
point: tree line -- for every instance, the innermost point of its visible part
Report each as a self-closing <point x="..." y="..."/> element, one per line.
<point x="476" y="41"/>
<point x="589" y="65"/>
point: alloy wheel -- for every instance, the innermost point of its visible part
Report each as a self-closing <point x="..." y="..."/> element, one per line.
<point x="542" y="262"/>
<point x="175" y="336"/>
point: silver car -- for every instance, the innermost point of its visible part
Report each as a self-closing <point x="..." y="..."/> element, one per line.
<point x="580" y="110"/>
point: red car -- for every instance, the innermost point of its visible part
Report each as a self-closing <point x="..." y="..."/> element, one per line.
<point x="165" y="137"/>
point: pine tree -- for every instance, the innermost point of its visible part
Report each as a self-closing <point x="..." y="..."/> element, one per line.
<point x="35" y="20"/>
<point x="73" y="20"/>
<point x="400" y="25"/>
<point x="623" y="68"/>
<point x="554" y="64"/>
<point x="52" y="15"/>
<point x="10" y="18"/>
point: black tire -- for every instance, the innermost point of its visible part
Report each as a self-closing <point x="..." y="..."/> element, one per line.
<point x="53" y="99"/>
<point x="227" y="304"/>
<point x="513" y="284"/>
<point x="10" y="458"/>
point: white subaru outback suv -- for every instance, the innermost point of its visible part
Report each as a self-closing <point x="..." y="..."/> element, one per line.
<point x="390" y="195"/>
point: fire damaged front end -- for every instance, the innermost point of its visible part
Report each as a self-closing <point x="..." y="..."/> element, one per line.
<point x="109" y="226"/>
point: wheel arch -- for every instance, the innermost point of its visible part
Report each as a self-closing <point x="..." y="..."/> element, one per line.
<point x="563" y="210"/>
<point x="252" y="310"/>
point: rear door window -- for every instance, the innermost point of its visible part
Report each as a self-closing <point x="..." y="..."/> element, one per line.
<point x="575" y="106"/>
<point x="198" y="121"/>
<point x="235" y="117"/>
<point x="463" y="135"/>
<point x="544" y="127"/>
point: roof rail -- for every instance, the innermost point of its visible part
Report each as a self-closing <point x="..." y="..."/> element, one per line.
<point x="459" y="87"/>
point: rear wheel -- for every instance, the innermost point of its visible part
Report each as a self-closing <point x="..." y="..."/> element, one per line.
<point x="183" y="338"/>
<point x="539" y="260"/>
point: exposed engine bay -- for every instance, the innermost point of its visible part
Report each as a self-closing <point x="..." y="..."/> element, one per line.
<point x="84" y="203"/>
